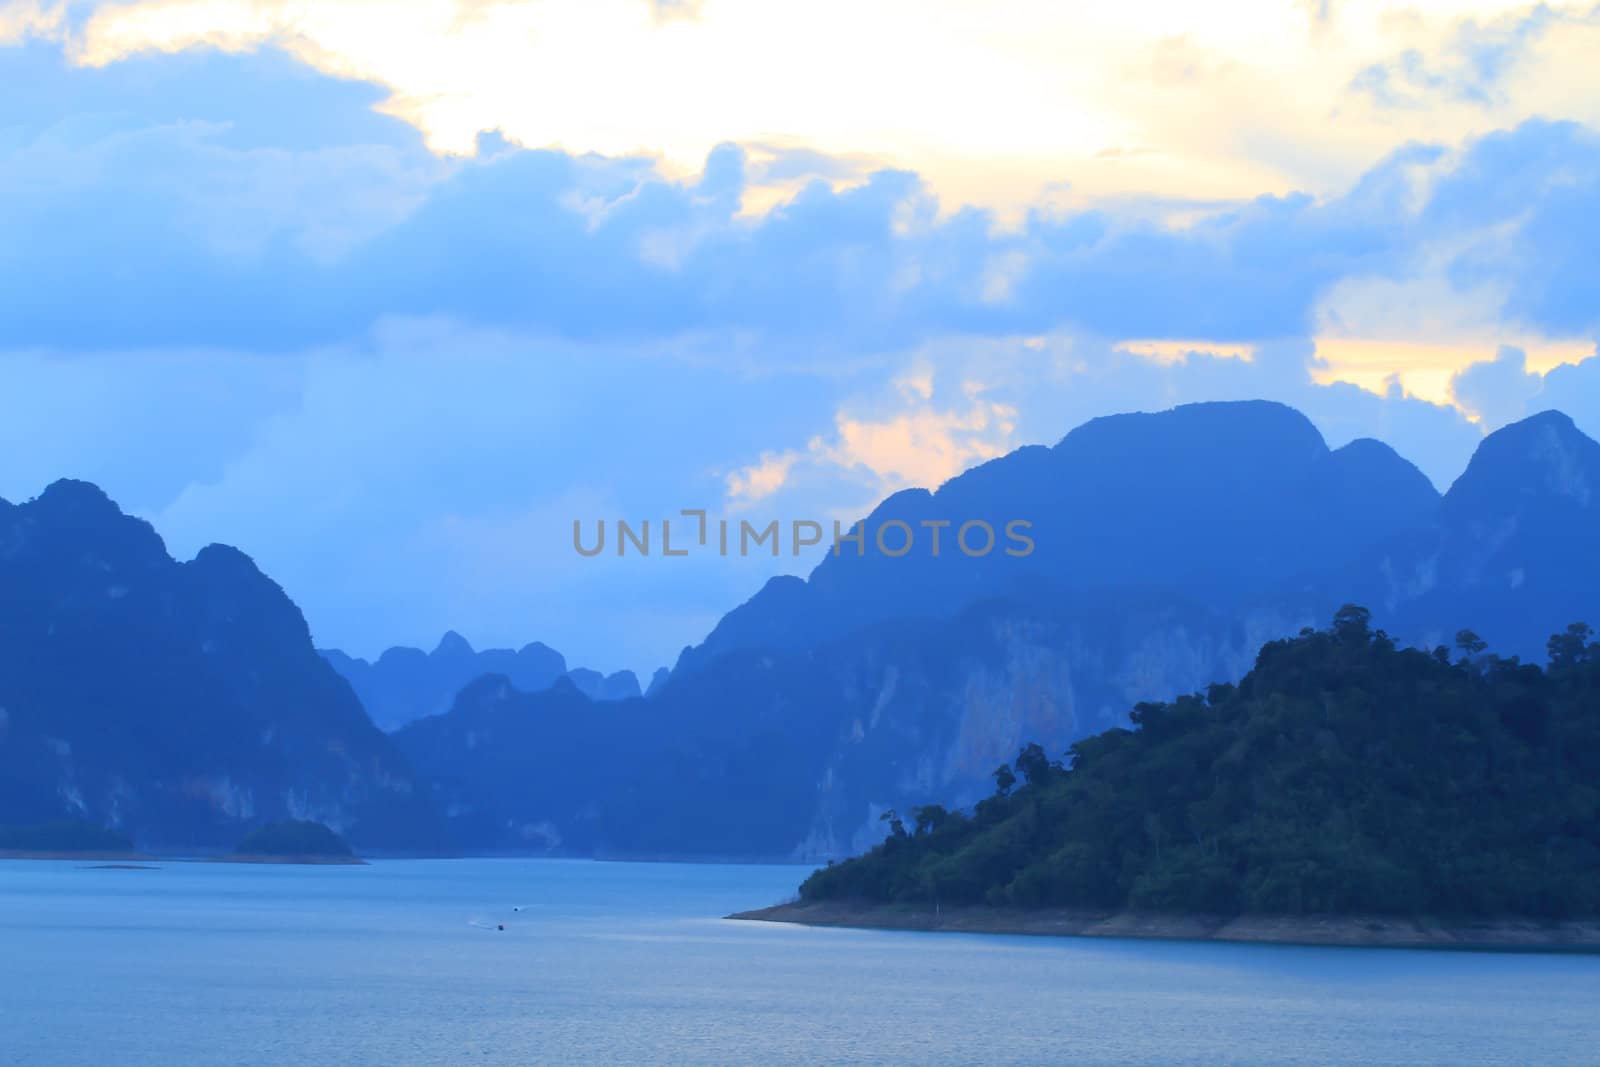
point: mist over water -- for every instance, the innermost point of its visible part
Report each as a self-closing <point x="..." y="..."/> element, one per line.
<point x="401" y="962"/>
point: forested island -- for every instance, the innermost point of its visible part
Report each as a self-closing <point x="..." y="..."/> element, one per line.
<point x="1448" y="796"/>
<point x="293" y="841"/>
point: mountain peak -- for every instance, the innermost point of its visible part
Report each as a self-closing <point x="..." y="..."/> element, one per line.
<point x="1221" y="421"/>
<point x="81" y="514"/>
<point x="145" y="672"/>
<point x="568" y="687"/>
<point x="227" y="559"/>
<point x="1542" y="456"/>
<point x="81" y="499"/>
<point x="452" y="644"/>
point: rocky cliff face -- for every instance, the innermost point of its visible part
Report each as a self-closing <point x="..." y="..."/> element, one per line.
<point x="181" y="703"/>
<point x="931" y="727"/>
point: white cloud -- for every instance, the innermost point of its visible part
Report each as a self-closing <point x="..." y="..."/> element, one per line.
<point x="958" y="91"/>
<point x="21" y="19"/>
<point x="760" y="480"/>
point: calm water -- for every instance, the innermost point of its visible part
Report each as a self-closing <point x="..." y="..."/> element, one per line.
<point x="399" y="963"/>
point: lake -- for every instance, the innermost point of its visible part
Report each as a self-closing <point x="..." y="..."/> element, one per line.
<point x="401" y="963"/>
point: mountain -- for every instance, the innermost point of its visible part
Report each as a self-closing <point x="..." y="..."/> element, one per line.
<point x="1512" y="545"/>
<point x="406" y="684"/>
<point x="181" y="704"/>
<point x="621" y="685"/>
<point x="1169" y="548"/>
<point x="1223" y="502"/>
<point x="1341" y="775"/>
<point x="783" y="755"/>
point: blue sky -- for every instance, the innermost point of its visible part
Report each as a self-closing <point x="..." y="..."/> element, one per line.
<point x="366" y="296"/>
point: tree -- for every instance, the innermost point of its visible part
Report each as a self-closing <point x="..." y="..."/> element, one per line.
<point x="1004" y="779"/>
<point x="1363" y="779"/>
<point x="929" y="818"/>
<point x="1352" y="624"/>
<point x="1470" y="644"/>
<point x="897" y="827"/>
<point x="1033" y="763"/>
<point x="1570" y="648"/>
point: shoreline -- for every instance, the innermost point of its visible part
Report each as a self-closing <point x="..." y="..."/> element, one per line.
<point x="1353" y="931"/>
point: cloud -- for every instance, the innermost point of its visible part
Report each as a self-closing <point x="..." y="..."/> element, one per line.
<point x="183" y="235"/>
<point x="1472" y="64"/>
<point x="1533" y="196"/>
<point x="260" y="311"/>
<point x="1200" y="87"/>
<point x="667" y="10"/>
<point x="760" y="480"/>
<point x="1503" y="389"/>
<point x="1496" y="391"/>
<point x="926" y="446"/>
<point x="22" y="19"/>
<point x="196" y="231"/>
<point x="896" y="438"/>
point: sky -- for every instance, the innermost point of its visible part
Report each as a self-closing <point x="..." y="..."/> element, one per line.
<point x="389" y="294"/>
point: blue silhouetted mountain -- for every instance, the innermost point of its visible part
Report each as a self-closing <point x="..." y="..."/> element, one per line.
<point x="1169" y="549"/>
<point x="406" y="684"/>
<point x="771" y="755"/>
<point x="1218" y="501"/>
<point x="621" y="685"/>
<point x="180" y="703"/>
<point x="720" y="765"/>
<point x="1512" y="549"/>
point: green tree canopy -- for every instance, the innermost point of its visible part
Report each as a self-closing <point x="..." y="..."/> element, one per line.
<point x="1342" y="774"/>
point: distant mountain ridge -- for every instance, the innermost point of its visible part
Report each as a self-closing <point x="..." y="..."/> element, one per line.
<point x="1171" y="546"/>
<point x="180" y="703"/>
<point x="772" y="755"/>
<point x="405" y="684"/>
<point x="1223" y="501"/>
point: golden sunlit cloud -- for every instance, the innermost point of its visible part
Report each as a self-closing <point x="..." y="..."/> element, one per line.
<point x="1425" y="369"/>
<point x="919" y="445"/>
<point x="993" y="102"/>
<point x="1419" y="332"/>
<point x="926" y="447"/>
<point x="30" y="18"/>
<point x="760" y="480"/>
<point x="1168" y="352"/>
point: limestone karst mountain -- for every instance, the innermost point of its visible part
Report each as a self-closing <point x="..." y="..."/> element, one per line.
<point x="180" y="703"/>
